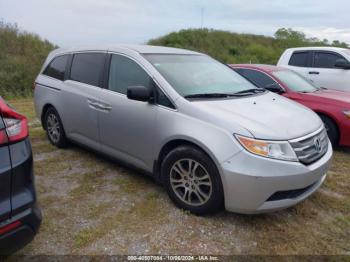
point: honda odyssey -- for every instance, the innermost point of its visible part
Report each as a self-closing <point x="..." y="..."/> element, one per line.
<point x="209" y="135"/>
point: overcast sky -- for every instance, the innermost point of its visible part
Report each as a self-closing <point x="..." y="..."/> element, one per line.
<point x="77" y="22"/>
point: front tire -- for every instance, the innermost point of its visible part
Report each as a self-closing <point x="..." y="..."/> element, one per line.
<point x="332" y="130"/>
<point x="54" y="129"/>
<point x="192" y="180"/>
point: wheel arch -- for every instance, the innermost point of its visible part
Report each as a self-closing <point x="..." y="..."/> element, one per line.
<point x="333" y="119"/>
<point x="176" y="142"/>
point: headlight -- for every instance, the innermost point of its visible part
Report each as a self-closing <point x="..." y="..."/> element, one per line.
<point x="272" y="149"/>
<point x="347" y="113"/>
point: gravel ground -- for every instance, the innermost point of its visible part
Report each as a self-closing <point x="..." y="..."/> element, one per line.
<point x="92" y="205"/>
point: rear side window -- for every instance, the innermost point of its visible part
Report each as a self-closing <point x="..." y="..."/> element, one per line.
<point x="325" y="59"/>
<point x="299" y="59"/>
<point x="57" y="67"/>
<point x="124" y="72"/>
<point x="257" y="78"/>
<point x="87" y="68"/>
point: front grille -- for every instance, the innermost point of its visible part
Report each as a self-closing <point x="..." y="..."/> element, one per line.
<point x="311" y="148"/>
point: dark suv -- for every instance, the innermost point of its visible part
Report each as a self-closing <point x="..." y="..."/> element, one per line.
<point x="20" y="216"/>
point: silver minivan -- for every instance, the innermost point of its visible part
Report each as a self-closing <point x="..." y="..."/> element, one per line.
<point x="213" y="139"/>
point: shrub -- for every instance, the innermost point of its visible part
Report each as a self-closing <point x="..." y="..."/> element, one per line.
<point x="21" y="57"/>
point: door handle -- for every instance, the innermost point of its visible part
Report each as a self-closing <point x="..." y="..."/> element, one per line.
<point x="98" y="105"/>
<point x="105" y="107"/>
<point x="92" y="103"/>
<point x="108" y="107"/>
<point x="314" y="73"/>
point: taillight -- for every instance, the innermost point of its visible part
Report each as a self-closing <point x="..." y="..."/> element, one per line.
<point x="16" y="126"/>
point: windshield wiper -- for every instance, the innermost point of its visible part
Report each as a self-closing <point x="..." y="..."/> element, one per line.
<point x="208" y="95"/>
<point x="251" y="91"/>
<point x="223" y="95"/>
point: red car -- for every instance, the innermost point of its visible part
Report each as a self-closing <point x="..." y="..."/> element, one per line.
<point x="332" y="106"/>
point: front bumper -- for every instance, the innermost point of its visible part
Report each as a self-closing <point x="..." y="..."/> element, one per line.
<point x="21" y="235"/>
<point x="345" y="133"/>
<point x="251" y="183"/>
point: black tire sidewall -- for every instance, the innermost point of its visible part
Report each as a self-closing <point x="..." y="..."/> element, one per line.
<point x="62" y="142"/>
<point x="332" y="131"/>
<point x="215" y="203"/>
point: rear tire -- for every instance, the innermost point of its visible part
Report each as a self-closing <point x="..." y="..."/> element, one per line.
<point x="332" y="130"/>
<point x="54" y="129"/>
<point x="192" y="180"/>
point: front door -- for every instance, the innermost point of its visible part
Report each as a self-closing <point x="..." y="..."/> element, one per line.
<point x="127" y="126"/>
<point x="325" y="74"/>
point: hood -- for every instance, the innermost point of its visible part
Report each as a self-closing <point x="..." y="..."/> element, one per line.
<point x="331" y="96"/>
<point x="267" y="116"/>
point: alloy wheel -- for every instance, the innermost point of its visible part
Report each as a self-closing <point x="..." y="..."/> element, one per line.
<point x="191" y="182"/>
<point x="53" y="128"/>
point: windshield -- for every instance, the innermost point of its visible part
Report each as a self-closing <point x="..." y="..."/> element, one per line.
<point x="198" y="74"/>
<point x="295" y="81"/>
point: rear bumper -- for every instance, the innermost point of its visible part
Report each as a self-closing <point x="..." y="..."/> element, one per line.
<point x="21" y="235"/>
<point x="254" y="184"/>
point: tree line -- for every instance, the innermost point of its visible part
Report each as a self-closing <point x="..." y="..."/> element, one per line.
<point x="231" y="47"/>
<point x="22" y="53"/>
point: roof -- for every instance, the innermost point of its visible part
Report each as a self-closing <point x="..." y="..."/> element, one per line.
<point x="142" y="49"/>
<point x="149" y="49"/>
<point x="325" y="48"/>
<point x="266" y="68"/>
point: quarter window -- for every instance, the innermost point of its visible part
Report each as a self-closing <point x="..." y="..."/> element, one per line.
<point x="124" y="72"/>
<point x="87" y="68"/>
<point x="163" y="100"/>
<point x="257" y="78"/>
<point x="299" y="59"/>
<point x="57" y="67"/>
<point x="326" y="60"/>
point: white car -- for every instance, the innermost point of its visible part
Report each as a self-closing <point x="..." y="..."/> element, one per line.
<point x="327" y="67"/>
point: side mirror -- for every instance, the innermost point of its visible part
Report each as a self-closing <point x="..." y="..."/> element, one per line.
<point x="275" y="88"/>
<point x="342" y="63"/>
<point x="139" y="93"/>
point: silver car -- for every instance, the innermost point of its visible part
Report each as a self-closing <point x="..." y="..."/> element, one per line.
<point x="211" y="137"/>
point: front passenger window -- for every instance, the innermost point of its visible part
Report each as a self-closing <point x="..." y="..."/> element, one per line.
<point x="326" y="60"/>
<point x="124" y="72"/>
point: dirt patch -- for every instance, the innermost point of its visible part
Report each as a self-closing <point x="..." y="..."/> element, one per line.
<point x="46" y="155"/>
